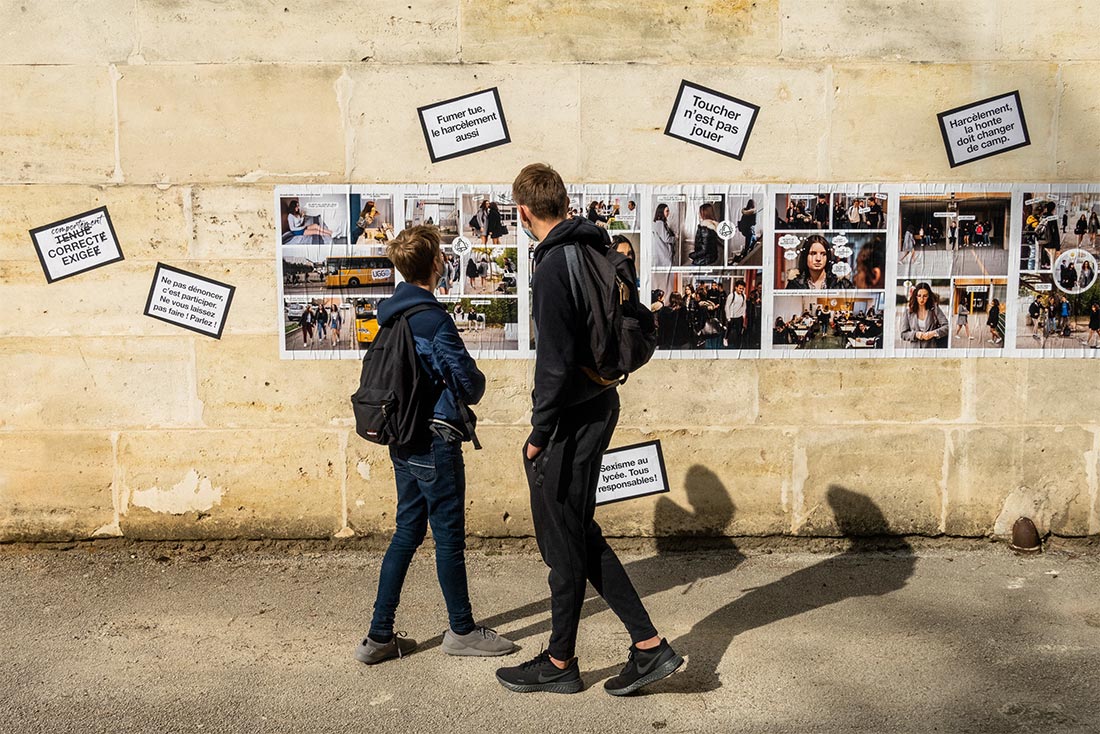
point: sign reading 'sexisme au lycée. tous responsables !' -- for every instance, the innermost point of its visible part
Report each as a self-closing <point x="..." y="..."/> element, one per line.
<point x="464" y="125"/>
<point x="631" y="471"/>
<point x="981" y="129"/>
<point x="711" y="120"/>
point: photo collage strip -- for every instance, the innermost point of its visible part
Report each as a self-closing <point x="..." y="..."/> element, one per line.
<point x="729" y="271"/>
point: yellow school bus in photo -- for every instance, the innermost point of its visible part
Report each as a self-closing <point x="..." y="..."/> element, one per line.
<point x="366" y="322"/>
<point x="350" y="272"/>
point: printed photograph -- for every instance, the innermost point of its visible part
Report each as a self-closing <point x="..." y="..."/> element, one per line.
<point x="617" y="210"/>
<point x="922" y="319"/>
<point x="954" y="234"/>
<point x="848" y="320"/>
<point x="479" y="271"/>
<point x="340" y="270"/>
<point x="709" y="309"/>
<point x="437" y="211"/>
<point x="489" y="219"/>
<point x="1056" y="222"/>
<point x="327" y="324"/>
<point x="309" y="218"/>
<point x="978" y="314"/>
<point x="1050" y="319"/>
<point x="372" y="221"/>
<point x="485" y="323"/>
<point x="833" y="211"/>
<point x="830" y="260"/>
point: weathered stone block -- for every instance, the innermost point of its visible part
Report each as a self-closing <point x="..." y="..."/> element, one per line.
<point x="110" y="301"/>
<point x="539" y="103"/>
<point x="573" y="30"/>
<point x="242" y="382"/>
<point x="1000" y="474"/>
<point x="906" y="100"/>
<point x="926" y="31"/>
<point x="424" y="31"/>
<point x="1078" y="117"/>
<point x="230" y="484"/>
<point x="507" y="398"/>
<point x="691" y="394"/>
<point x="1059" y="392"/>
<point x="49" y="134"/>
<point x="217" y="123"/>
<point x="1048" y="31"/>
<point x="149" y="221"/>
<point x="97" y="383"/>
<point x="810" y="392"/>
<point x="995" y="389"/>
<point x="235" y="222"/>
<point x="853" y="481"/>
<point x="55" y="485"/>
<point x="624" y="111"/>
<point x="98" y="32"/>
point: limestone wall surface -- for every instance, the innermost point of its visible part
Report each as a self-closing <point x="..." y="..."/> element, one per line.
<point x="181" y="115"/>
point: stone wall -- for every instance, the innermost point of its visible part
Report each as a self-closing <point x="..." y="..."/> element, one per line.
<point x="181" y="115"/>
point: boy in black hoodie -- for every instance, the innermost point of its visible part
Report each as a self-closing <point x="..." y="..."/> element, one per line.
<point x="430" y="473"/>
<point x="572" y="423"/>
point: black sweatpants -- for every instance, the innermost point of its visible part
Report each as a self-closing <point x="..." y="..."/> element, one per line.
<point x="562" y="480"/>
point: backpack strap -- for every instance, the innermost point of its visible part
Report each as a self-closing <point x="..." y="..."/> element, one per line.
<point x="573" y="264"/>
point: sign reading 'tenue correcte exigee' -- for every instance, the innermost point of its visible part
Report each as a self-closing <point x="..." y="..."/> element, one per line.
<point x="981" y="129"/>
<point x="712" y="120"/>
<point x="189" y="300"/>
<point x="75" y="245"/>
<point x="631" y="471"/>
<point x="464" y="125"/>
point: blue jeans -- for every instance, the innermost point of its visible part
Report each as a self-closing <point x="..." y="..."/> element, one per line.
<point x="431" y="487"/>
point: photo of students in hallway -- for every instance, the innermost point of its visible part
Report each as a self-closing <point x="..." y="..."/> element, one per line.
<point x="718" y="309"/>
<point x="979" y="313"/>
<point x="952" y="235"/>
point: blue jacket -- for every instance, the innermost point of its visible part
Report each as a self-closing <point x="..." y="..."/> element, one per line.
<point x="441" y="350"/>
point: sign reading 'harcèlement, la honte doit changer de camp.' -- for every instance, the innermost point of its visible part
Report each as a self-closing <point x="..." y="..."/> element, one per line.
<point x="984" y="128"/>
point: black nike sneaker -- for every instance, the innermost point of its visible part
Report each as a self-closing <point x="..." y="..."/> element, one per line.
<point x="644" y="667"/>
<point x="541" y="674"/>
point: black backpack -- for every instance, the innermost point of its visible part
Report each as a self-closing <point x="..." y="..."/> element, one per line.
<point x="622" y="333"/>
<point x="394" y="402"/>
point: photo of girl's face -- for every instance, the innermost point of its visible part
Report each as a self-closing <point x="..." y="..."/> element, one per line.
<point x="816" y="258"/>
<point x="922" y="296"/>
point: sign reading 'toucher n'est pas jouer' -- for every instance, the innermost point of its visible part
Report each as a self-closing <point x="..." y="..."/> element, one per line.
<point x="712" y="120"/>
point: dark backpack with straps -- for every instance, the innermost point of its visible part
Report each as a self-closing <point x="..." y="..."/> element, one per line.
<point x="621" y="331"/>
<point x="393" y="405"/>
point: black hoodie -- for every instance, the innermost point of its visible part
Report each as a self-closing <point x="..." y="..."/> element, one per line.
<point x="561" y="333"/>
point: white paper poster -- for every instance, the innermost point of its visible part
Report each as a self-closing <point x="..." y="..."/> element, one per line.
<point x="464" y="125"/>
<point x="711" y="120"/>
<point x="981" y="129"/>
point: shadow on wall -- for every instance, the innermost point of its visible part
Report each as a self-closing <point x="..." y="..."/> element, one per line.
<point x="711" y="510"/>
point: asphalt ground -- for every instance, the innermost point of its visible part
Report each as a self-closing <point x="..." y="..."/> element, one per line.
<point x="901" y="636"/>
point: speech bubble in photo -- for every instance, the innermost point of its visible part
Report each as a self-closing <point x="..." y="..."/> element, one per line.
<point x="840" y="240"/>
<point x="842" y="251"/>
<point x="791" y="255"/>
<point x="789" y="241"/>
<point x="842" y="270"/>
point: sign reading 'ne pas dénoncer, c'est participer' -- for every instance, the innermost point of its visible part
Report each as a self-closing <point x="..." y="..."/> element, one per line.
<point x="981" y="129"/>
<point x="189" y="300"/>
<point x="75" y="245"/>
<point x="712" y="120"/>
<point x="631" y="471"/>
<point x="464" y="125"/>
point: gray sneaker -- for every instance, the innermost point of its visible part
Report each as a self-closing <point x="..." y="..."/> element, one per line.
<point x="372" y="653"/>
<point x="482" y="642"/>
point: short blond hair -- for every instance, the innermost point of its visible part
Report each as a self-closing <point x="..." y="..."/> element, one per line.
<point x="539" y="188"/>
<point x="414" y="253"/>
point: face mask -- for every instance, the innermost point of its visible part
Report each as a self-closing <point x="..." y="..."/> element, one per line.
<point x="527" y="231"/>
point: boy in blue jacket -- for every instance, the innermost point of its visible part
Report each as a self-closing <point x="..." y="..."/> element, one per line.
<point x="430" y="473"/>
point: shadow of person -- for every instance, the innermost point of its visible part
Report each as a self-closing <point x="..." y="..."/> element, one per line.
<point x="858" y="571"/>
<point x="676" y="529"/>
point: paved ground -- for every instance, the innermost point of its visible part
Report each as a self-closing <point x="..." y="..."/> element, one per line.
<point x="943" y="638"/>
